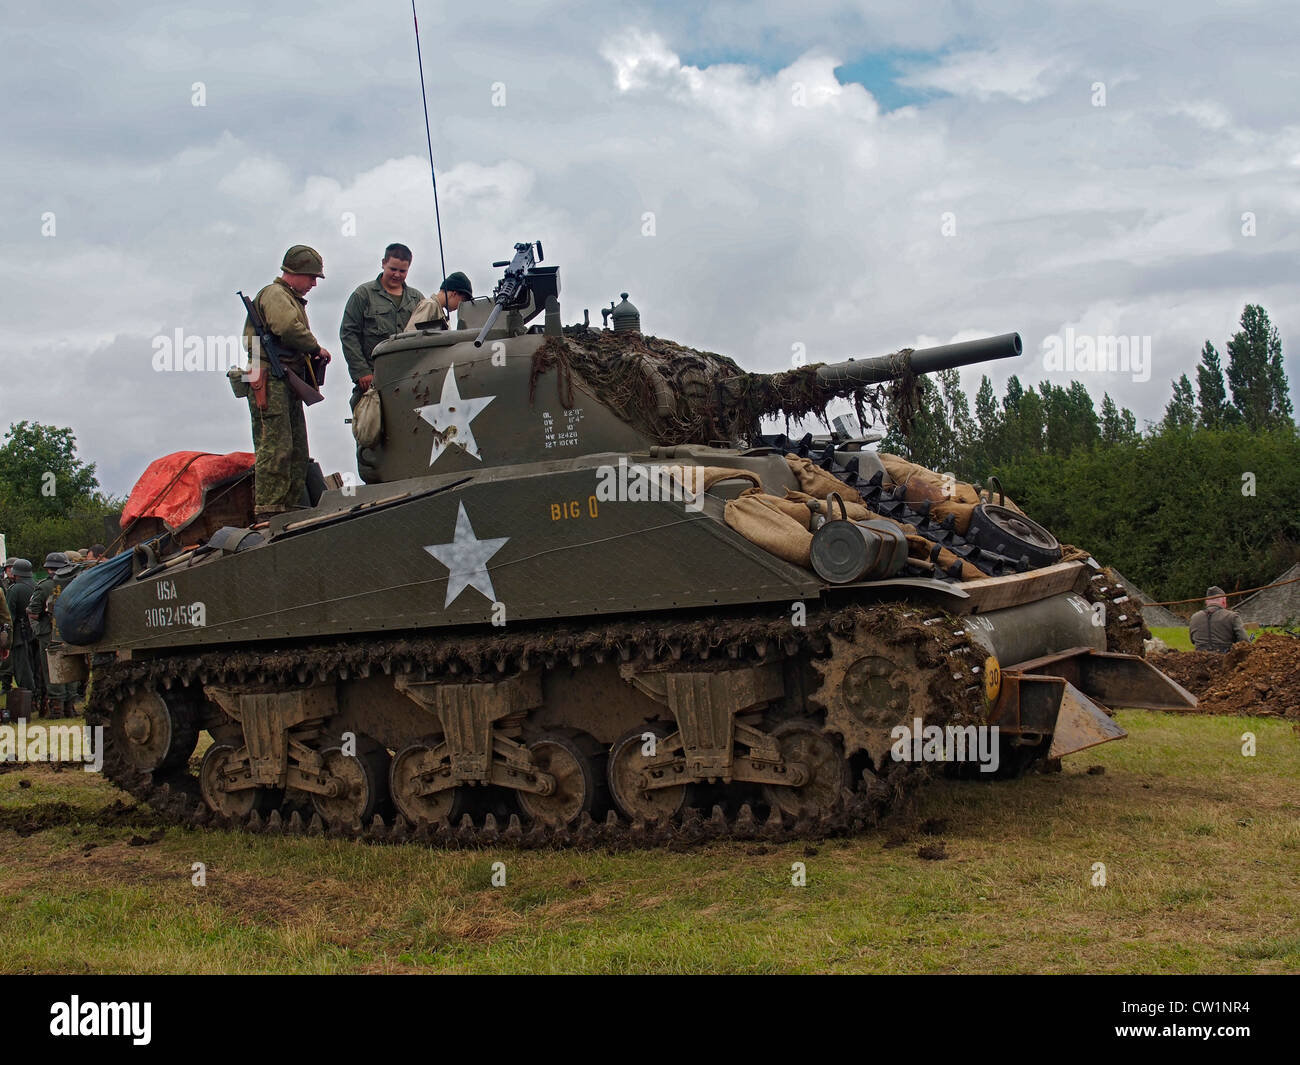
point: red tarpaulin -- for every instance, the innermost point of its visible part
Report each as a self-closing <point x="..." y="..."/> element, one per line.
<point x="172" y="488"/>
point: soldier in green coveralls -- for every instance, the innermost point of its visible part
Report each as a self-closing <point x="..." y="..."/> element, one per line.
<point x="374" y="312"/>
<point x="280" y="429"/>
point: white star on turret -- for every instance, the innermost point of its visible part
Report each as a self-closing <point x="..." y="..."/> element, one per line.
<point x="451" y="417"/>
<point x="466" y="559"/>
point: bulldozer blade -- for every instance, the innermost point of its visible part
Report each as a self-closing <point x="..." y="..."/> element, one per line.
<point x="1080" y="724"/>
<point x="1112" y="679"/>
<point x="1126" y="680"/>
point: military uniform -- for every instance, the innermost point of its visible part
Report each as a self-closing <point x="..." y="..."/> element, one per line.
<point x="280" y="431"/>
<point x="430" y="310"/>
<point x="1216" y="629"/>
<point x="21" y="654"/>
<point x="7" y="662"/>
<point x="371" y="316"/>
<point x="39" y="608"/>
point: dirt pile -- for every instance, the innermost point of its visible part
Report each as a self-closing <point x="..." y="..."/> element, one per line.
<point x="1260" y="678"/>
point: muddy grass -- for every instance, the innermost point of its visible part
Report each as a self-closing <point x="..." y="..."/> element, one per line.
<point x="1200" y="846"/>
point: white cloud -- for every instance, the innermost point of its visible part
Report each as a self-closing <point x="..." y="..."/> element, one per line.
<point x="1019" y="75"/>
<point x="258" y="180"/>
<point x="789" y="208"/>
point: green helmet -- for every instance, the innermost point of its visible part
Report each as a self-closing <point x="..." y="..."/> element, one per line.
<point x="55" y="560"/>
<point x="301" y="259"/>
<point x="22" y="568"/>
<point x="458" y="282"/>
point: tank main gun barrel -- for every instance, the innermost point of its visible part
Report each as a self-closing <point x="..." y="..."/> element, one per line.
<point x="854" y="373"/>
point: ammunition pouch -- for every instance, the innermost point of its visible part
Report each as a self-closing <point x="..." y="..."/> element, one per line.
<point x="238" y="382"/>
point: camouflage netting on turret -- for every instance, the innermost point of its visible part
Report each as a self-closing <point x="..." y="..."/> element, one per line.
<point x="679" y="395"/>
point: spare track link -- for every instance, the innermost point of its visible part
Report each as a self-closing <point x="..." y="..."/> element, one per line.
<point x="174" y="795"/>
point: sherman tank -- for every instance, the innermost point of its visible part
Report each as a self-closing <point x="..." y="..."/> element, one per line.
<point x="577" y="592"/>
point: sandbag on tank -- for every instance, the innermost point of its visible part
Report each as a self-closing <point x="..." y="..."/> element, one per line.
<point x="79" y="610"/>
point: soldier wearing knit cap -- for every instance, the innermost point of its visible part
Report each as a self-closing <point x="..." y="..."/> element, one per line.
<point x="454" y="290"/>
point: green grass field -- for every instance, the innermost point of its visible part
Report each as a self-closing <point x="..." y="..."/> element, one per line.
<point x="1175" y="636"/>
<point x="1178" y="639"/>
<point x="1201" y="847"/>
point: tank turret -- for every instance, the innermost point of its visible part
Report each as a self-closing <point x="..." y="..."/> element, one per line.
<point x="499" y="392"/>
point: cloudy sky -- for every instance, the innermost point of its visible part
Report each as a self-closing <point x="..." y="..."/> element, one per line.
<point x="849" y="177"/>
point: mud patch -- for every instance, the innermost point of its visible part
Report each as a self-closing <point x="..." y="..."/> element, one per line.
<point x="1257" y="679"/>
<point x="38" y="817"/>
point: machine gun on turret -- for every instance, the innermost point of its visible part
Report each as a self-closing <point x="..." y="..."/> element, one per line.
<point x="523" y="280"/>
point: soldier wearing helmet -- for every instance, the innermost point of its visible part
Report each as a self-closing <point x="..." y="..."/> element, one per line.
<point x="280" y="427"/>
<point x="454" y="290"/>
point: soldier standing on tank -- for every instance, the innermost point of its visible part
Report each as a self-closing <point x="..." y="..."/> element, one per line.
<point x="454" y="290"/>
<point x="21" y="653"/>
<point x="280" y="431"/>
<point x="1216" y="628"/>
<point x="374" y="312"/>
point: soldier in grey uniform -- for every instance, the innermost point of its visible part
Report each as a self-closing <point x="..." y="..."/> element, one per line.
<point x="24" y="643"/>
<point x="6" y="655"/>
<point x="1216" y="628"/>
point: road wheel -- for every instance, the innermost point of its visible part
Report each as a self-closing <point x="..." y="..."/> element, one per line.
<point x="408" y="767"/>
<point x="804" y="744"/>
<point x="1005" y="532"/>
<point x="219" y="770"/>
<point x="577" y="782"/>
<point x="363" y="780"/>
<point x="627" y="778"/>
<point x="155" y="732"/>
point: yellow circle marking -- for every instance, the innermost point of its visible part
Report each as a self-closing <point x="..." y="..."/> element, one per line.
<point x="992" y="679"/>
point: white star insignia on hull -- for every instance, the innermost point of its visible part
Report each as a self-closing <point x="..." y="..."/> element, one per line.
<point x="450" y="417"/>
<point x="466" y="559"/>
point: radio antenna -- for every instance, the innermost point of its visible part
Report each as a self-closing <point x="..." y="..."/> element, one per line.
<point x="433" y="174"/>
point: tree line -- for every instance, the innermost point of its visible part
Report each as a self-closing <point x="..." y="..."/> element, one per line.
<point x="1210" y="494"/>
<point x="50" y="500"/>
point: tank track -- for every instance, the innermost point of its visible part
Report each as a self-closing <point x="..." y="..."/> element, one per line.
<point x="940" y="644"/>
